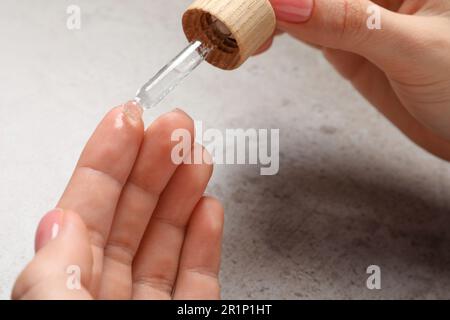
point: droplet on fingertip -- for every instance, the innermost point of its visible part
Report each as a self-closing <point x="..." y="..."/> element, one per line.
<point x="133" y="111"/>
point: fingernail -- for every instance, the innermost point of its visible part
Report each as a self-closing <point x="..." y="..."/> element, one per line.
<point x="133" y="111"/>
<point x="181" y="112"/>
<point x="48" y="228"/>
<point x="294" y="11"/>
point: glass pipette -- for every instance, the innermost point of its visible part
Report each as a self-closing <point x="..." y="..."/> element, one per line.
<point x="169" y="77"/>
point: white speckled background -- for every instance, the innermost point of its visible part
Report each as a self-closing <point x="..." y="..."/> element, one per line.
<point x="351" y="192"/>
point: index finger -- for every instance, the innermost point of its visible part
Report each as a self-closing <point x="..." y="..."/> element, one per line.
<point x="101" y="172"/>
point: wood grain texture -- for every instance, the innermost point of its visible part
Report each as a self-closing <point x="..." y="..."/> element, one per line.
<point x="250" y="22"/>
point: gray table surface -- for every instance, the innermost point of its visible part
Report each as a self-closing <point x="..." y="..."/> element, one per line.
<point x="351" y="191"/>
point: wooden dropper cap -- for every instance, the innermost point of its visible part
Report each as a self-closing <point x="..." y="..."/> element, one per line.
<point x="233" y="29"/>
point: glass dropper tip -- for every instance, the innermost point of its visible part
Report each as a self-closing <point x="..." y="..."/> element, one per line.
<point x="171" y="75"/>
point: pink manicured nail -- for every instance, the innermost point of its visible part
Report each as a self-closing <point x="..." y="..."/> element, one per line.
<point x="48" y="228"/>
<point x="294" y="11"/>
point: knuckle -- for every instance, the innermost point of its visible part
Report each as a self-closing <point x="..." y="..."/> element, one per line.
<point x="350" y="18"/>
<point x="160" y="282"/>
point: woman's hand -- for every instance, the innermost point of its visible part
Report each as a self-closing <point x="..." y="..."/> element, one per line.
<point x="403" y="68"/>
<point x="131" y="224"/>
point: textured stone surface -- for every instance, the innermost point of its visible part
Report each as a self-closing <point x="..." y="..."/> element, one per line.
<point x="351" y="192"/>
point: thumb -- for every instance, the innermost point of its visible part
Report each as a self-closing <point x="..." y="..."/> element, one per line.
<point x="61" y="268"/>
<point x="358" y="26"/>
